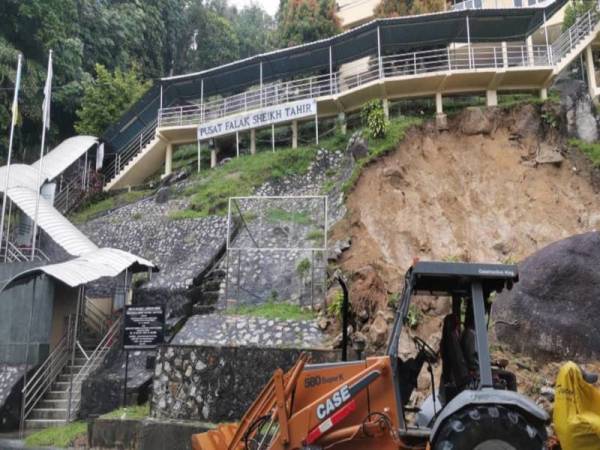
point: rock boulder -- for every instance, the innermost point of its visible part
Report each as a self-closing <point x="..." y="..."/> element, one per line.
<point x="552" y="312"/>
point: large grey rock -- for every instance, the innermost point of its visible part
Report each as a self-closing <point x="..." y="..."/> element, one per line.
<point x="579" y="110"/>
<point x="553" y="310"/>
<point x="475" y="120"/>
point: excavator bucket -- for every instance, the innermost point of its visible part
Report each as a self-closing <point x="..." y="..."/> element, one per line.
<point x="232" y="436"/>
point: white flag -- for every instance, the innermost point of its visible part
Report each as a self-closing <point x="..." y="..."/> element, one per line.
<point x="47" y="95"/>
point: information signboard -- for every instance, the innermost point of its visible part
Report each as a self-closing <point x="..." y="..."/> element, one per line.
<point x="144" y="327"/>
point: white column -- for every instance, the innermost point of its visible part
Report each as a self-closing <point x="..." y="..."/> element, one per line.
<point x="330" y="72"/>
<point x="253" y="141"/>
<point x="469" y="44"/>
<point x="261" y="84"/>
<point x="169" y="159"/>
<point x="543" y="94"/>
<point x="273" y="137"/>
<point x="294" y="134"/>
<point x="237" y="144"/>
<point x="504" y="55"/>
<point x="213" y="158"/>
<point x="202" y="100"/>
<point x="439" y="106"/>
<point x="491" y="97"/>
<point x="379" y="60"/>
<point x="529" y="42"/>
<point x="590" y="70"/>
<point x="386" y="108"/>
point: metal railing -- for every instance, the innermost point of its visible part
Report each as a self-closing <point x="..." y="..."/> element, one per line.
<point x="93" y="362"/>
<point x="358" y="74"/>
<point x="129" y="151"/>
<point x="494" y="4"/>
<point x="570" y="38"/>
<point x="95" y="318"/>
<point x="9" y="252"/>
<point x="43" y="378"/>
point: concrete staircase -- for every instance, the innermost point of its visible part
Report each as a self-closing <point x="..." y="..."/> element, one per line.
<point x="52" y="409"/>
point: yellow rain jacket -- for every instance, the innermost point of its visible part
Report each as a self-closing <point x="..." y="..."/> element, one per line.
<point x="576" y="410"/>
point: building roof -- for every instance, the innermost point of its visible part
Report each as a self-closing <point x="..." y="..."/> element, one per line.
<point x="99" y="263"/>
<point x="57" y="160"/>
<point x="21" y="175"/>
<point x="54" y="224"/>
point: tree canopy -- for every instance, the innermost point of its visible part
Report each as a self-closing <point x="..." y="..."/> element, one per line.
<point x="303" y="21"/>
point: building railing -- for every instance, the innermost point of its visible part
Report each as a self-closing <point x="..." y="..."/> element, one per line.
<point x="43" y="378"/>
<point x="92" y="363"/>
<point x="354" y="75"/>
<point x="129" y="151"/>
<point x="495" y="4"/>
<point x="570" y="38"/>
<point x="10" y="252"/>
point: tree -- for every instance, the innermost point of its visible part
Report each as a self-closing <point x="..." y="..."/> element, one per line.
<point x="395" y="8"/>
<point x="574" y="11"/>
<point x="252" y="26"/>
<point x="107" y="97"/>
<point x="303" y="21"/>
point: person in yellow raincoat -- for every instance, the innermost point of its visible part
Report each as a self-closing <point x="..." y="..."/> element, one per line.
<point x="576" y="409"/>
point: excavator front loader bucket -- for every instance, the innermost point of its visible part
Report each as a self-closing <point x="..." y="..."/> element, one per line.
<point x="232" y="436"/>
<point x="217" y="439"/>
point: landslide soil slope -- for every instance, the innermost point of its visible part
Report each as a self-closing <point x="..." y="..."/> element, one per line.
<point x="473" y="194"/>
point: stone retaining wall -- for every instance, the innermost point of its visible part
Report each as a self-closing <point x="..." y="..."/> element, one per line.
<point x="217" y="384"/>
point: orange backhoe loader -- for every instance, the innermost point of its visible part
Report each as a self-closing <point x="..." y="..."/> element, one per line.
<point x="363" y="404"/>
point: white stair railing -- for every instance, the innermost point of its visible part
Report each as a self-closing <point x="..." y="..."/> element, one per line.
<point x="93" y="362"/>
<point x="571" y="37"/>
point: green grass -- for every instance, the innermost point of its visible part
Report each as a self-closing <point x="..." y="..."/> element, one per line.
<point x="315" y="235"/>
<point x="62" y="436"/>
<point x="131" y="412"/>
<point x="380" y="147"/>
<point x="211" y="189"/>
<point x="272" y="310"/>
<point x="93" y="208"/>
<point x="281" y="215"/>
<point x="592" y="151"/>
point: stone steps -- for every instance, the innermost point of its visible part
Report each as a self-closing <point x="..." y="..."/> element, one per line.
<point x="36" y="424"/>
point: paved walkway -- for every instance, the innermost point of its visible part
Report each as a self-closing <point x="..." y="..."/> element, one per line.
<point x="225" y="330"/>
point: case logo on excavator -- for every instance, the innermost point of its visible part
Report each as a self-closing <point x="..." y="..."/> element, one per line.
<point x="338" y="398"/>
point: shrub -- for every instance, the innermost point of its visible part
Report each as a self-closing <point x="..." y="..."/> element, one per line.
<point x="373" y="119"/>
<point x="335" y="307"/>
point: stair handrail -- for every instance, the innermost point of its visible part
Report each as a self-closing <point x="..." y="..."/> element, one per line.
<point x="62" y="198"/>
<point x="130" y="150"/>
<point x="95" y="359"/>
<point x="572" y="36"/>
<point x="12" y="250"/>
<point x="44" y="376"/>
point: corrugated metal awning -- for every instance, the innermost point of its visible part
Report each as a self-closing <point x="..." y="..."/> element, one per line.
<point x="100" y="263"/>
<point x="57" y="160"/>
<point x="54" y="224"/>
<point x="20" y="175"/>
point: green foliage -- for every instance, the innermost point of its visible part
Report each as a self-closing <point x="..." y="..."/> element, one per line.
<point x="253" y="27"/>
<point x="315" y="235"/>
<point x="373" y="119"/>
<point x="591" y="150"/>
<point x="303" y="268"/>
<point x="106" y="98"/>
<point x="61" y="436"/>
<point x="272" y="310"/>
<point x="574" y="10"/>
<point x="452" y="258"/>
<point x="303" y="21"/>
<point x="281" y="215"/>
<point x="394" y="8"/>
<point x="380" y="147"/>
<point x="129" y="412"/>
<point x="211" y="188"/>
<point x="414" y="316"/>
<point x="106" y="203"/>
<point x="334" y="308"/>
<point x="393" y="300"/>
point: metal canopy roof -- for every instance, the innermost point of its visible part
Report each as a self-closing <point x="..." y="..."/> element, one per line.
<point x="57" y="160"/>
<point x="399" y="33"/>
<point x="20" y="175"/>
<point x="100" y="263"/>
<point x="54" y="224"/>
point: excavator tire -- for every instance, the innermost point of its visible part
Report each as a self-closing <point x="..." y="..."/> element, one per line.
<point x="489" y="427"/>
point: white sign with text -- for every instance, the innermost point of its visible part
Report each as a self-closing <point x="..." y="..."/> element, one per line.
<point x="257" y="118"/>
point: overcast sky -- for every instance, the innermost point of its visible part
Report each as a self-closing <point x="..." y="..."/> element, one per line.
<point x="269" y="5"/>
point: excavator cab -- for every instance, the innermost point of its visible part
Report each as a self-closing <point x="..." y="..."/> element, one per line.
<point x="363" y="404"/>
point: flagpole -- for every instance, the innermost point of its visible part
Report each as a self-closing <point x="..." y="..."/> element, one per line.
<point x="45" y="126"/>
<point x="15" y="113"/>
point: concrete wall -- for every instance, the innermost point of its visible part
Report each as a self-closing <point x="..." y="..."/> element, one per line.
<point x="217" y="384"/>
<point x="15" y="309"/>
<point x="65" y="303"/>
